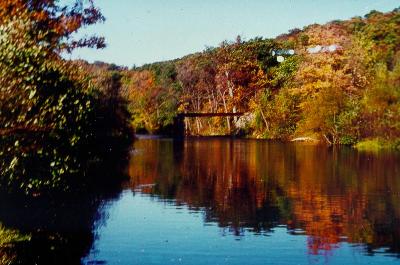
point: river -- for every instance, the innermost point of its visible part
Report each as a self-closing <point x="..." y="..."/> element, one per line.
<point x="230" y="201"/>
<point x="237" y="201"/>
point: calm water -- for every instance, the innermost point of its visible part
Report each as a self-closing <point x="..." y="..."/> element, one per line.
<point x="224" y="201"/>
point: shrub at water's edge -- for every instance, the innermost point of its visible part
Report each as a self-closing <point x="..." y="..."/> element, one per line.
<point x="377" y="144"/>
<point x="55" y="126"/>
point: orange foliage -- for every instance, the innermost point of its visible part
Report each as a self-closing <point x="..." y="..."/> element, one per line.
<point x="61" y="21"/>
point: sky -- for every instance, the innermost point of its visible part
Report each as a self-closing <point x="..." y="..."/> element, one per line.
<point x="146" y="31"/>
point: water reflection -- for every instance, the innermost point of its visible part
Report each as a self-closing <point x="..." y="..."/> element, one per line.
<point x="330" y="195"/>
<point x="58" y="227"/>
<point x="186" y="200"/>
<point x="56" y="231"/>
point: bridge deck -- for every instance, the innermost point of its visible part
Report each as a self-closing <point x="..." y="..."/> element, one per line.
<point x="202" y="114"/>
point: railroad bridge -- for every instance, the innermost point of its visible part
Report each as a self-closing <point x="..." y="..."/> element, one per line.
<point x="179" y="121"/>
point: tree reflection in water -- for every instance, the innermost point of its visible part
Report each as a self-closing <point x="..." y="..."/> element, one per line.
<point x="331" y="195"/>
<point x="59" y="228"/>
<point x="56" y="231"/>
<point x="244" y="186"/>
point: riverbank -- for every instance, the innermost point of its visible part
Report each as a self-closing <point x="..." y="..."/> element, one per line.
<point x="372" y="145"/>
<point x="378" y="145"/>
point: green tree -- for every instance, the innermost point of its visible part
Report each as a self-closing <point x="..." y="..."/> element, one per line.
<point x="49" y="120"/>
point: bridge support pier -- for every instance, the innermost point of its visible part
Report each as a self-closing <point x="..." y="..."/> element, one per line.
<point x="179" y="126"/>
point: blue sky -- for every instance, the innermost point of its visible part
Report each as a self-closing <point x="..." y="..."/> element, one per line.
<point x="145" y="31"/>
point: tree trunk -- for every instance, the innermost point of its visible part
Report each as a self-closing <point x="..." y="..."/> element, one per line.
<point x="198" y="125"/>
<point x="230" y="89"/>
<point x="226" y="110"/>
<point x="264" y="119"/>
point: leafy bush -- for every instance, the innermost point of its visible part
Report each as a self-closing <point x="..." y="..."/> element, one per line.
<point x="51" y="125"/>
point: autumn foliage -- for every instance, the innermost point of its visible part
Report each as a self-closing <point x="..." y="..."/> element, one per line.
<point x="56" y="22"/>
<point x="54" y="122"/>
<point x="338" y="83"/>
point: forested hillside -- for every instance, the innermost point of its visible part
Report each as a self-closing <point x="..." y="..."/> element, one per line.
<point x="338" y="83"/>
